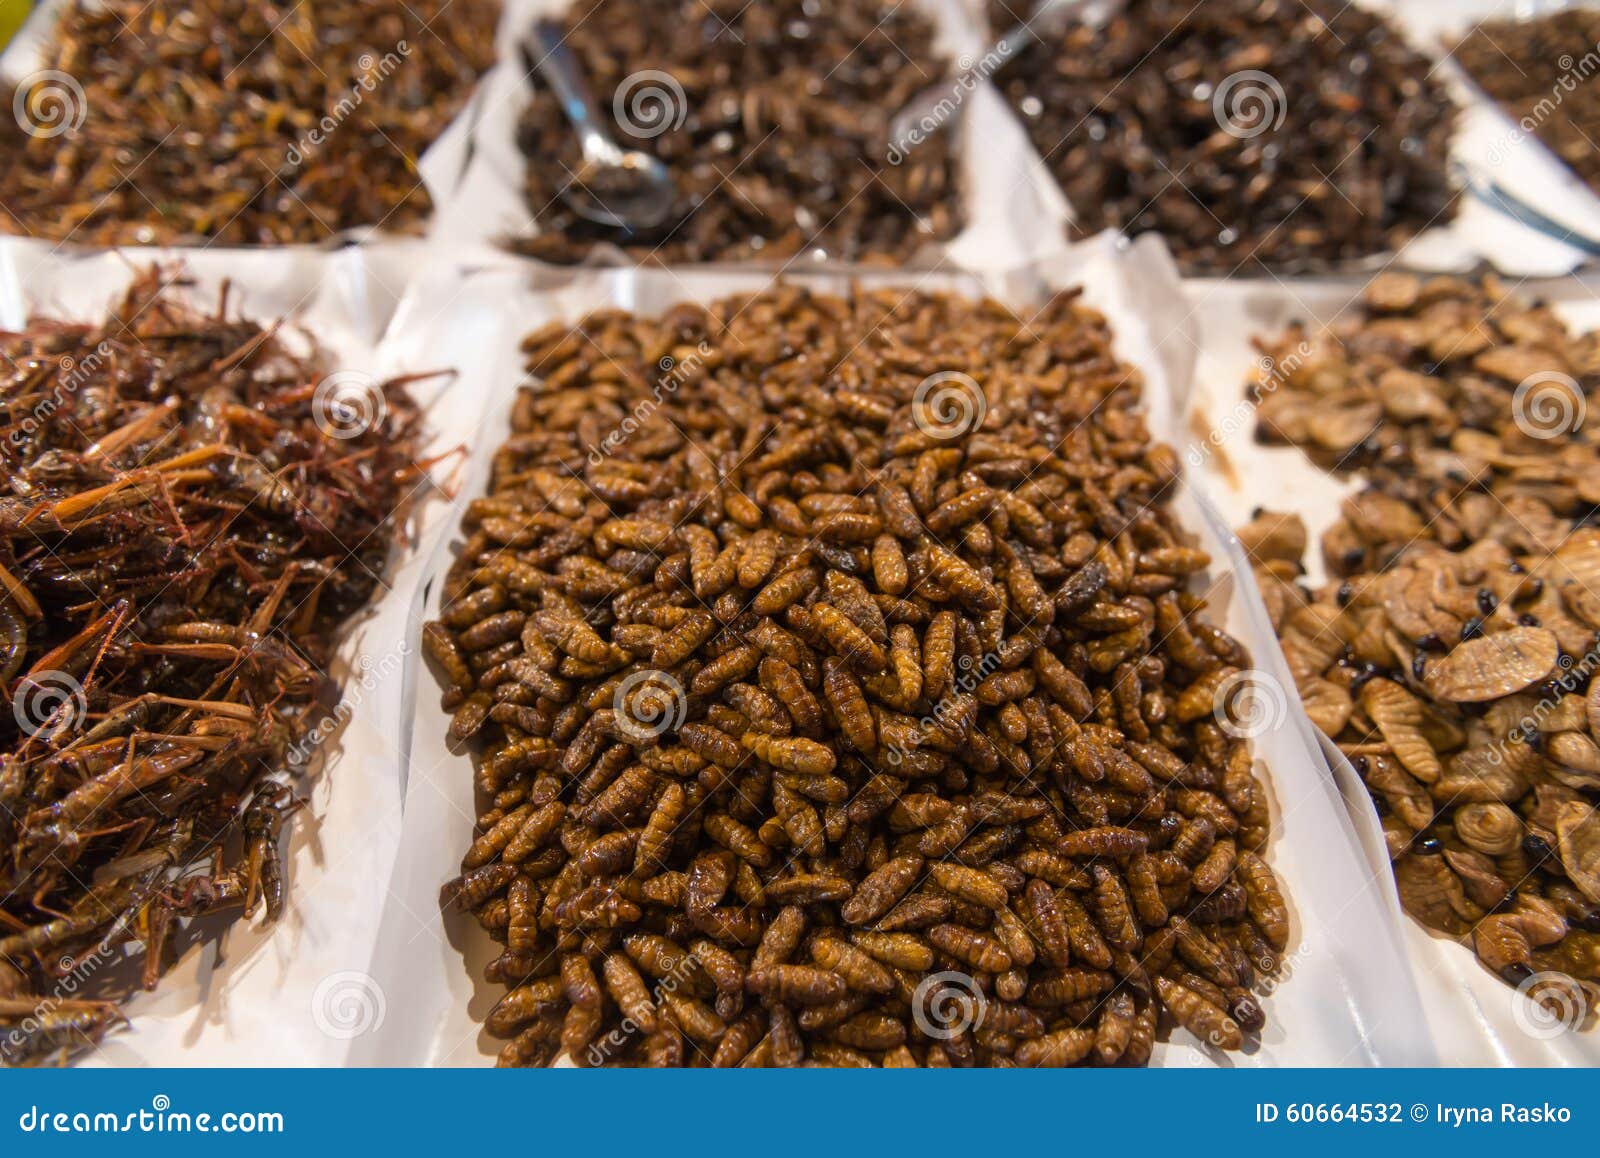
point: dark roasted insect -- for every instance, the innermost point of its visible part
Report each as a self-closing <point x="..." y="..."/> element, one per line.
<point x="180" y="538"/>
<point x="882" y="705"/>
<point x="1253" y="134"/>
<point x="774" y="119"/>
<point x="1538" y="68"/>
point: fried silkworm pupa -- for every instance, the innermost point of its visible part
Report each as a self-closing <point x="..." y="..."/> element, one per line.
<point x="799" y="715"/>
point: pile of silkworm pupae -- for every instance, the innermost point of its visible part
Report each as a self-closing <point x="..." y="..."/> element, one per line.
<point x="840" y="699"/>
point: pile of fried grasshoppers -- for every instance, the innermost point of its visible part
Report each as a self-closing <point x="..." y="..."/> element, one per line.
<point x="184" y="523"/>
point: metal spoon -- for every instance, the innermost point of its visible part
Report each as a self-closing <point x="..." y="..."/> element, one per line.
<point x="1048" y="17"/>
<point x="638" y="189"/>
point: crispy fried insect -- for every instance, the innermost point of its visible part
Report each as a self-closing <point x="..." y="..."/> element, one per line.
<point x="1085" y="937"/>
<point x="901" y="950"/>
<point x="1105" y="840"/>
<point x="1115" y="1032"/>
<point x="1063" y="987"/>
<point x="784" y="683"/>
<point x="1064" y="1047"/>
<point x="796" y="984"/>
<point x="629" y="991"/>
<point x="1210" y="1023"/>
<point x="859" y="970"/>
<point x="793" y="705"/>
<point x="970" y="884"/>
<point x="972" y="948"/>
<point x="850" y="710"/>
<point x="1115" y="911"/>
<point x="1048" y="924"/>
<point x="963" y="580"/>
<point x="655" y="839"/>
<point x="1144" y="886"/>
<point x="738" y="1041"/>
<point x="793" y="754"/>
<point x="738" y="838"/>
<point x="1267" y="908"/>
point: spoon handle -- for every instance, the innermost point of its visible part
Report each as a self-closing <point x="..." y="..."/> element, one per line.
<point x="562" y="72"/>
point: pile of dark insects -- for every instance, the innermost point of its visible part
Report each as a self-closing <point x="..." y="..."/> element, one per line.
<point x="773" y="118"/>
<point x="1265" y="133"/>
<point x="1539" y="71"/>
<point x="240" y="121"/>
<point x="1453" y="653"/>
<point x="834" y="709"/>
<point x="182" y="530"/>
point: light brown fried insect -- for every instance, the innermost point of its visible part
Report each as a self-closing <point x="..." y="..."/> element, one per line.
<point x="1210" y="1023"/>
<point x="918" y="706"/>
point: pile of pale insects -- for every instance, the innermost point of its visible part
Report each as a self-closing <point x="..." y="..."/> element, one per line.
<point x="834" y="709"/>
<point x="1452" y="652"/>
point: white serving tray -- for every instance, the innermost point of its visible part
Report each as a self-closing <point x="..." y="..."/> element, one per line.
<point x="1347" y="997"/>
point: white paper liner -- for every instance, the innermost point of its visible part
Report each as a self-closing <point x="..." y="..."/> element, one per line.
<point x="284" y="994"/>
<point x="1006" y="189"/>
<point x="1347" y="998"/>
<point x="1475" y="1017"/>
